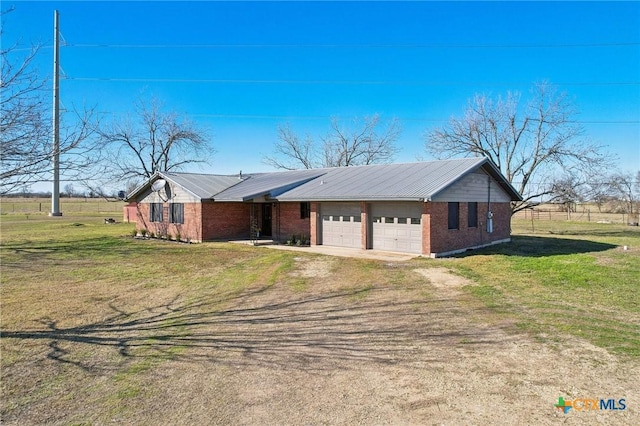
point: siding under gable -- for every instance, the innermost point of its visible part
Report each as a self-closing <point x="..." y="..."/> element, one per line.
<point x="473" y="187"/>
<point x="179" y="195"/>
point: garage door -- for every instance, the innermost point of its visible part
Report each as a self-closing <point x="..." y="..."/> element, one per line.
<point x="341" y="224"/>
<point x="397" y="227"/>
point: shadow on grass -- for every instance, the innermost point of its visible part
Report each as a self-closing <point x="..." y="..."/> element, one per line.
<point x="304" y="332"/>
<point x="527" y="246"/>
<point x="97" y="247"/>
<point x="629" y="232"/>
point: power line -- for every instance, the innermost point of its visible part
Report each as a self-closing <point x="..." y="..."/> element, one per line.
<point x="64" y="44"/>
<point x="339" y="82"/>
<point x="352" y="46"/>
<point x="327" y="117"/>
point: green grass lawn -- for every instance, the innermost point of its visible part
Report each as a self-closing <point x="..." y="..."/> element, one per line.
<point x="566" y="278"/>
<point x="82" y="299"/>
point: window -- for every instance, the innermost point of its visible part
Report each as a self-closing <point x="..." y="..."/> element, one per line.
<point x="356" y="218"/>
<point x="415" y="221"/>
<point x="326" y="218"/>
<point x="403" y="220"/>
<point x="155" y="212"/>
<point x="454" y="215"/>
<point x="176" y="213"/>
<point x="388" y="220"/>
<point x="472" y="215"/>
<point x="377" y="219"/>
<point x="305" y="210"/>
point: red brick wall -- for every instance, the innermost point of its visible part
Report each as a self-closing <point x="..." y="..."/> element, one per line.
<point x="313" y="225"/>
<point x="426" y="228"/>
<point x="129" y="213"/>
<point x="290" y="221"/>
<point x="221" y="221"/>
<point x="365" y="242"/>
<point x="190" y="230"/>
<point x="442" y="239"/>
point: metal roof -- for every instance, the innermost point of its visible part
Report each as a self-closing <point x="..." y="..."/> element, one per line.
<point x="406" y="182"/>
<point x="203" y="185"/>
<point x="401" y="182"/>
<point x="267" y="184"/>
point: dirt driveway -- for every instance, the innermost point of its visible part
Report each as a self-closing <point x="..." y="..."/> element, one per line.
<point x="340" y="357"/>
<point x="423" y="354"/>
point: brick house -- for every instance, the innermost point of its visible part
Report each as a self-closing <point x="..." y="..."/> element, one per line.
<point x="430" y="208"/>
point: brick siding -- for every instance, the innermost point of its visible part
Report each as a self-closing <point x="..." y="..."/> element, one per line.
<point x="223" y="221"/>
<point x="190" y="230"/>
<point x="313" y="225"/>
<point x="442" y="240"/>
<point x="129" y="213"/>
<point x="290" y="222"/>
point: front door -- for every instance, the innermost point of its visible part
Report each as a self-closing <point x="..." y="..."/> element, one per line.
<point x="266" y="220"/>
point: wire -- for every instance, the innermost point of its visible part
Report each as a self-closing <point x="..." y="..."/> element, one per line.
<point x="327" y="117"/>
<point x="353" y="46"/>
<point x="340" y="82"/>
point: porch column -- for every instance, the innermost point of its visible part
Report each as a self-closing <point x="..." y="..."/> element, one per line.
<point x="364" y="223"/>
<point x="426" y="228"/>
<point x="314" y="218"/>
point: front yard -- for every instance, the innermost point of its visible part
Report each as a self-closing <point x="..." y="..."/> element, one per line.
<point x="98" y="327"/>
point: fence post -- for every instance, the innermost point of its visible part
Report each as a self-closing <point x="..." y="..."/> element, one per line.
<point x="588" y="215"/>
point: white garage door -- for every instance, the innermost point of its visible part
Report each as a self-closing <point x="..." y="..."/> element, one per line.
<point x="341" y="224"/>
<point x="397" y="227"/>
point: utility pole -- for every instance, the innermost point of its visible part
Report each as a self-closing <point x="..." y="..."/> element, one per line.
<point x="55" y="193"/>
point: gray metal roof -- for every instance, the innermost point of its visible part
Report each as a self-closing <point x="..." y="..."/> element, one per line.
<point x="401" y="182"/>
<point x="267" y="184"/>
<point x="406" y="182"/>
<point x="202" y="185"/>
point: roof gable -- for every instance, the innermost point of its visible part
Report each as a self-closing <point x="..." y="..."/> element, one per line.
<point x="267" y="184"/>
<point x="200" y="185"/>
<point x="400" y="182"/>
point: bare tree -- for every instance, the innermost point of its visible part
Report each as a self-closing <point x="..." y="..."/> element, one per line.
<point x="623" y="187"/>
<point x="598" y="191"/>
<point x="155" y="141"/>
<point x="364" y="141"/>
<point x="530" y="144"/>
<point x="69" y="190"/>
<point x="568" y="191"/>
<point x="291" y="153"/>
<point x="26" y="147"/>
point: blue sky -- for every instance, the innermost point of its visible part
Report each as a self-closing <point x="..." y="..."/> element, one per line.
<point x="241" y="69"/>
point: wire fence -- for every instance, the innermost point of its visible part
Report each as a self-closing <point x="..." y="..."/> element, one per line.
<point x="581" y="215"/>
<point x="71" y="205"/>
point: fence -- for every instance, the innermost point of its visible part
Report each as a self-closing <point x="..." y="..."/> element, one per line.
<point x="70" y="205"/>
<point x="583" y="215"/>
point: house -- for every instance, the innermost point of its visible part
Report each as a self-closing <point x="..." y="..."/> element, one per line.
<point x="432" y="208"/>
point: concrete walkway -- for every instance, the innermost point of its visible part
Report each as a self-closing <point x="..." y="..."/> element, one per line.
<point x="388" y="256"/>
